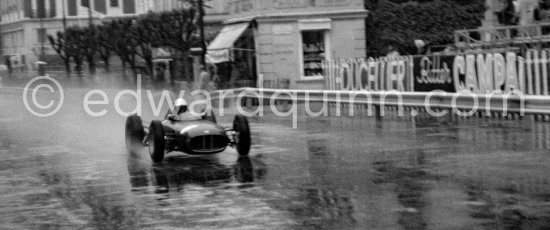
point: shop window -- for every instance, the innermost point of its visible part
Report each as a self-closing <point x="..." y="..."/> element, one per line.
<point x="114" y="3"/>
<point x="314" y="52"/>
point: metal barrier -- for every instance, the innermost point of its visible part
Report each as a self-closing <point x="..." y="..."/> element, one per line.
<point x="513" y="106"/>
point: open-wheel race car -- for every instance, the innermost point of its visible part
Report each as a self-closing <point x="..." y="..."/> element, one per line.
<point x="185" y="132"/>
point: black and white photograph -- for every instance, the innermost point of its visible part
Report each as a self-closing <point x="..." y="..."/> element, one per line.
<point x="275" y="114"/>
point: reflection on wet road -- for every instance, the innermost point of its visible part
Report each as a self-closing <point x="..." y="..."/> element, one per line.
<point x="72" y="171"/>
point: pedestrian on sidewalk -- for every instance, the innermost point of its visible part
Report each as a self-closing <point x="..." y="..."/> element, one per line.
<point x="204" y="79"/>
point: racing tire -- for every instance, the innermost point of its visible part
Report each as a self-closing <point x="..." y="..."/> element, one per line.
<point x="156" y="141"/>
<point x="210" y="116"/>
<point x="242" y="136"/>
<point x="134" y="133"/>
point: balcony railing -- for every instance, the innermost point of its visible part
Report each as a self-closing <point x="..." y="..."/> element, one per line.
<point x="536" y="33"/>
<point x="243" y="6"/>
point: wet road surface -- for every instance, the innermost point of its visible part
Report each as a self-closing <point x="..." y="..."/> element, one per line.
<point x="72" y="171"/>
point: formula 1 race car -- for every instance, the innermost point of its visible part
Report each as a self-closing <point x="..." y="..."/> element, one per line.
<point x="191" y="135"/>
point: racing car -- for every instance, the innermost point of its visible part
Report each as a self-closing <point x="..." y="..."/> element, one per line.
<point x="182" y="131"/>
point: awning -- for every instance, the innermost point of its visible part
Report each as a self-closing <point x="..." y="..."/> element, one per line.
<point x="219" y="49"/>
<point x="161" y="53"/>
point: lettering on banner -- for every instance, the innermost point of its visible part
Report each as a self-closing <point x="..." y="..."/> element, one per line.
<point x="488" y="73"/>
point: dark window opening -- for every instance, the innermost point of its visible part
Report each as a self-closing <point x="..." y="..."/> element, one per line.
<point x="129" y="7"/>
<point x="100" y="6"/>
<point x="314" y="52"/>
<point x="72" y="8"/>
<point x="41" y="8"/>
<point x="53" y="10"/>
<point x="85" y="3"/>
<point x="27" y="5"/>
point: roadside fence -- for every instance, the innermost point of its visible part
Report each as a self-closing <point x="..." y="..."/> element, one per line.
<point x="492" y="85"/>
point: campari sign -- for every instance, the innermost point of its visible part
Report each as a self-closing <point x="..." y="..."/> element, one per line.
<point x="481" y="73"/>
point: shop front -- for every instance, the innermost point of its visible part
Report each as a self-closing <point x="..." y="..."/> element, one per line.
<point x="162" y="65"/>
<point x="284" y="43"/>
<point x="233" y="54"/>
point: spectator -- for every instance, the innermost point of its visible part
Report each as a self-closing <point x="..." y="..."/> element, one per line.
<point x="10" y="67"/>
<point x="542" y="13"/>
<point x="159" y="73"/>
<point x="235" y="75"/>
<point x="420" y="45"/>
<point x="392" y="52"/>
<point x="204" y="79"/>
<point x="449" y="50"/>
<point x="245" y="71"/>
<point x="526" y="10"/>
<point x="215" y="82"/>
<point x="510" y="14"/>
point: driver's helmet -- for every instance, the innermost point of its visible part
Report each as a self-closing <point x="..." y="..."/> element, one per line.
<point x="180" y="106"/>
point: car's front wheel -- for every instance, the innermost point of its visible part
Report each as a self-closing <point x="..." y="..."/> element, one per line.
<point x="242" y="135"/>
<point x="156" y="141"/>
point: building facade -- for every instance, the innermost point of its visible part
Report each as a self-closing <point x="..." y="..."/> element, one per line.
<point x="281" y="42"/>
<point x="215" y="10"/>
<point x="25" y="24"/>
<point x="284" y="42"/>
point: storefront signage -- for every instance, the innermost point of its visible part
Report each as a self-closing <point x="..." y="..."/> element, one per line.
<point x="241" y="6"/>
<point x="282" y="29"/>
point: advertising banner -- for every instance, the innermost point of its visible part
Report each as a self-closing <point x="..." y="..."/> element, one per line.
<point x="434" y="73"/>
<point x="369" y="75"/>
<point x="483" y="73"/>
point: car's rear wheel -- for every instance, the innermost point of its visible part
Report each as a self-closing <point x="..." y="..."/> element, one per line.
<point x="242" y="135"/>
<point x="134" y="133"/>
<point x="156" y="141"/>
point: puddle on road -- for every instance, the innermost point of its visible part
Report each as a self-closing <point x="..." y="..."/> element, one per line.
<point x="469" y="174"/>
<point x="332" y="173"/>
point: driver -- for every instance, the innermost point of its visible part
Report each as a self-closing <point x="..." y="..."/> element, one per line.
<point x="180" y="107"/>
<point x="181" y="111"/>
